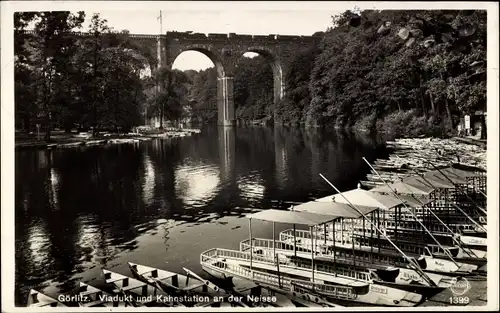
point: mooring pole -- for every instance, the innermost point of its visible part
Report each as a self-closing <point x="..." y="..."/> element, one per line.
<point x="251" y="245"/>
<point x="274" y="241"/>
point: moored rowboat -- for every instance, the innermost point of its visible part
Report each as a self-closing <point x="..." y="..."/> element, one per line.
<point x="136" y="291"/>
<point x="90" y="296"/>
<point x="179" y="285"/>
<point x="38" y="299"/>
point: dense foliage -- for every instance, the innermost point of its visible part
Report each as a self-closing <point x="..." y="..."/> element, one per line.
<point x="399" y="72"/>
<point x="383" y="68"/>
<point x="95" y="82"/>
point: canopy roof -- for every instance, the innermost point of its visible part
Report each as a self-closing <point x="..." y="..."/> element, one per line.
<point x="360" y="197"/>
<point x="334" y="209"/>
<point x="451" y="171"/>
<point x="469" y="168"/>
<point x="439" y="178"/>
<point x="408" y="186"/>
<point x="291" y="217"/>
<point x="415" y="201"/>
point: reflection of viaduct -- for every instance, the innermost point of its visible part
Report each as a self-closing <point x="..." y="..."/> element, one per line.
<point x="225" y="51"/>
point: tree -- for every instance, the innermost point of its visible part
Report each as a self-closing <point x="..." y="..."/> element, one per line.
<point x="45" y="55"/>
<point x="171" y="97"/>
<point x="377" y="63"/>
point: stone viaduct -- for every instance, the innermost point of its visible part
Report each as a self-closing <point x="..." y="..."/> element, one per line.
<point x="225" y="51"/>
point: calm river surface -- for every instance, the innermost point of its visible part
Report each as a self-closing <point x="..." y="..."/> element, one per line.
<point x="162" y="203"/>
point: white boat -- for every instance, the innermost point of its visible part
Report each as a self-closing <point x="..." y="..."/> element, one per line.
<point x="136" y="291"/>
<point x="266" y="271"/>
<point x="37" y="299"/>
<point x="426" y="261"/>
<point x="90" y="296"/>
<point x="366" y="233"/>
<point x="296" y="297"/>
<point x="345" y="265"/>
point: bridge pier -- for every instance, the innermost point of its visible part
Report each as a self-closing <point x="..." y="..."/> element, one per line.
<point x="225" y="101"/>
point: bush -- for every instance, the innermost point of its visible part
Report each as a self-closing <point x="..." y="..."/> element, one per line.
<point x="367" y="123"/>
<point x="406" y="124"/>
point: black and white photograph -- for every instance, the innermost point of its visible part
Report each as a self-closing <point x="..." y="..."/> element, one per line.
<point x="249" y="156"/>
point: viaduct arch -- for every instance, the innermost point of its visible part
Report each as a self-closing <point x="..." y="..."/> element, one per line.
<point x="225" y="51"/>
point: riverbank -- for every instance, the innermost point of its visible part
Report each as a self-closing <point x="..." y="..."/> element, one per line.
<point x="424" y="154"/>
<point x="67" y="140"/>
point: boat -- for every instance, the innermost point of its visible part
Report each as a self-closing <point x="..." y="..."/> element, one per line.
<point x="136" y="291"/>
<point x="90" y="296"/>
<point x="387" y="206"/>
<point x="226" y="264"/>
<point x="298" y="297"/>
<point x="383" y="253"/>
<point x="37" y="299"/>
<point x="473" y="257"/>
<point x="347" y="265"/>
<point x="192" y="290"/>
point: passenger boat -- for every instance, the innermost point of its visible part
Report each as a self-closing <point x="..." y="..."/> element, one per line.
<point x="197" y="292"/>
<point x="387" y="205"/>
<point x="90" y="296"/>
<point x="135" y="291"/>
<point x="38" y="299"/>
<point x="249" y="291"/>
<point x="384" y="254"/>
<point x="383" y="274"/>
<point x="466" y="256"/>
<point x="223" y="263"/>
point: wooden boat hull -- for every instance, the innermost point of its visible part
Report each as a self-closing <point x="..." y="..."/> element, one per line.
<point x="91" y="296"/>
<point x="141" y="292"/>
<point x="426" y="291"/>
<point x="38" y="299"/>
<point x="190" y="284"/>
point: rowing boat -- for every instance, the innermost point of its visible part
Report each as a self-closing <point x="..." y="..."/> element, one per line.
<point x="90" y="296"/>
<point x="190" y="289"/>
<point x="135" y="291"/>
<point x="38" y="299"/>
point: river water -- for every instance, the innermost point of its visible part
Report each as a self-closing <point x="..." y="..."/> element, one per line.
<point x="161" y="203"/>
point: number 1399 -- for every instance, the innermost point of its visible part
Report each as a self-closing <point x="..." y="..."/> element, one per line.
<point x="459" y="300"/>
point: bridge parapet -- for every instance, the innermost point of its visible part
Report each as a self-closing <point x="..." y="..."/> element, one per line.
<point x="232" y="37"/>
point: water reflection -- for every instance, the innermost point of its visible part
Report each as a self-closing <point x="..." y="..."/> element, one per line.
<point x="81" y="209"/>
<point x="196" y="185"/>
<point x="149" y="181"/>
